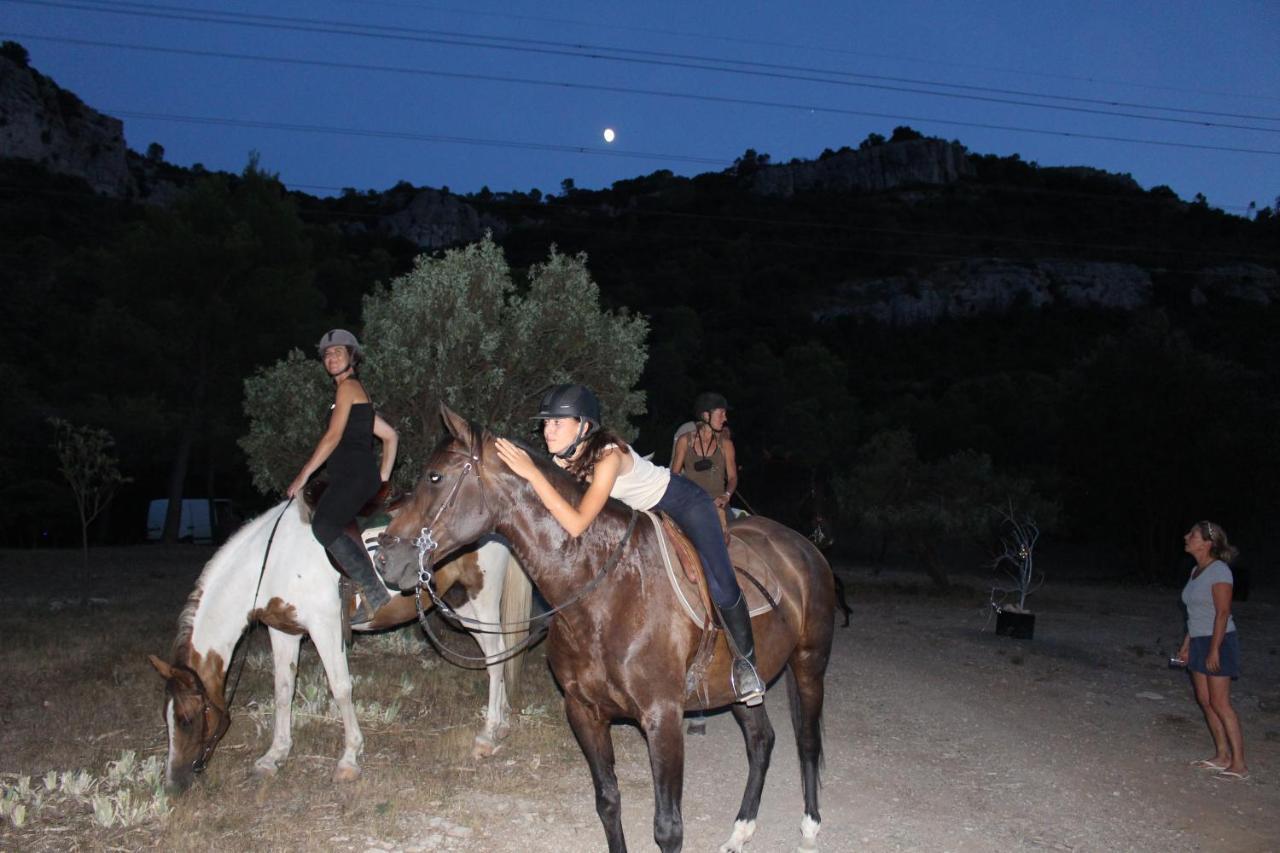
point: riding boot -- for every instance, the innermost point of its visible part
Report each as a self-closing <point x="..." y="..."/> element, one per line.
<point x="355" y="563"/>
<point x="737" y="630"/>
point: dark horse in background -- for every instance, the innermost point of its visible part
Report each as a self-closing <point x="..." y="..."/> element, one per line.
<point x="800" y="495"/>
<point x="622" y="646"/>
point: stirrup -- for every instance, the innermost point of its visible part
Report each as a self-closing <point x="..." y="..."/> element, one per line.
<point x="751" y="691"/>
<point x="366" y="614"/>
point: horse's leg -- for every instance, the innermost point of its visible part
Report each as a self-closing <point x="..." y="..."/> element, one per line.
<point x="758" y="733"/>
<point x="333" y="656"/>
<point x="662" y="730"/>
<point x="592" y="732"/>
<point x="805" y="690"/>
<point x="496" y="726"/>
<point x="284" y="658"/>
<point x="841" y="601"/>
<point x="486" y="608"/>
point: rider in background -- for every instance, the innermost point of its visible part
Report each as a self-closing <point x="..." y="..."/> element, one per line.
<point x="597" y="456"/>
<point x="354" y="474"/>
<point x="706" y="455"/>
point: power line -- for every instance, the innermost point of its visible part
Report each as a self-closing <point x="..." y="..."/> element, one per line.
<point x="1023" y="72"/>
<point x="416" y="137"/>
<point x="646" y="57"/>
<point x="647" y="92"/>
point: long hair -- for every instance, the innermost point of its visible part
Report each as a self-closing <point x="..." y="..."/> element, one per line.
<point x="1219" y="547"/>
<point x="593" y="447"/>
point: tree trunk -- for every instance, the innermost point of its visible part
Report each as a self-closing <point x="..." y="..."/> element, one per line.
<point x="178" y="480"/>
<point x="182" y="457"/>
<point x="933" y="566"/>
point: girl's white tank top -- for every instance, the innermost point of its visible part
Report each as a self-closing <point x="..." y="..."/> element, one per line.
<point x="644" y="485"/>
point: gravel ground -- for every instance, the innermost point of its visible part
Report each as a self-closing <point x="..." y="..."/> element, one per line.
<point x="941" y="736"/>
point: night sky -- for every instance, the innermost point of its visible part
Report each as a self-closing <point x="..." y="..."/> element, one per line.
<point x="516" y="95"/>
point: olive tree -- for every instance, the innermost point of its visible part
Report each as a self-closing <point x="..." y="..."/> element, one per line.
<point x="457" y="329"/>
<point x="86" y="458"/>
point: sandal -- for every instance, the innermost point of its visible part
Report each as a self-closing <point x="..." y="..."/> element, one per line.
<point x="1232" y="776"/>
<point x="1206" y="764"/>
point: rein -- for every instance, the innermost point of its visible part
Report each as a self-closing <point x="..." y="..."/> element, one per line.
<point x="224" y="720"/>
<point x="469" y="624"/>
<point x="426" y="543"/>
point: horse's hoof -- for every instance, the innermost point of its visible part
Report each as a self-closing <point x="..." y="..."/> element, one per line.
<point x="344" y="773"/>
<point x="809" y="835"/>
<point x="742" y="832"/>
<point x="483" y="747"/>
<point x="265" y="769"/>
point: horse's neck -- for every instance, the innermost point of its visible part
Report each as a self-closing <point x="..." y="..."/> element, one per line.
<point x="219" y="611"/>
<point x="557" y="563"/>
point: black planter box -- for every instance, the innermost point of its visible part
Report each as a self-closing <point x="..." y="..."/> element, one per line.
<point x="1019" y="626"/>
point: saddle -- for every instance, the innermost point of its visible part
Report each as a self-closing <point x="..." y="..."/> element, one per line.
<point x="375" y="513"/>
<point x="371" y="520"/>
<point x="755" y="577"/>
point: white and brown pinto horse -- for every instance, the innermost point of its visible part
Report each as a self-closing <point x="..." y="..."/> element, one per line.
<point x="299" y="594"/>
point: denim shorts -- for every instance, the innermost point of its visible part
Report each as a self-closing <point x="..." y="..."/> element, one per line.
<point x="1228" y="655"/>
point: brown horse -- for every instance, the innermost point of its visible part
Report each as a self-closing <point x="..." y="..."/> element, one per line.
<point x="621" y="647"/>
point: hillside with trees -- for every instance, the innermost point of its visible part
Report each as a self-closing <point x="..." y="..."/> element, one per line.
<point x="1108" y="352"/>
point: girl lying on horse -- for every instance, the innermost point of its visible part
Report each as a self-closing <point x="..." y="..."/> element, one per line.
<point x="571" y="428"/>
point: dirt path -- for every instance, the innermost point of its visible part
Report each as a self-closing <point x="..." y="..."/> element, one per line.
<point x="942" y="737"/>
<point x="939" y="735"/>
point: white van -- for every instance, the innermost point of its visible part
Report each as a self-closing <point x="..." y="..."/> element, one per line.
<point x="203" y="519"/>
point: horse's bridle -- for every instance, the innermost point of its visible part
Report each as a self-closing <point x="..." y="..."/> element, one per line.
<point x="426" y="541"/>
<point x="207" y="705"/>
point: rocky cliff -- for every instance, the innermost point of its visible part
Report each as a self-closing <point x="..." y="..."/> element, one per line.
<point x="43" y="122"/>
<point x="879" y="167"/>
<point x="433" y="219"/>
<point x="990" y="286"/>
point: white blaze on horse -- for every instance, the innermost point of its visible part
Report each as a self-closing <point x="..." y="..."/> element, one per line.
<point x="297" y="593"/>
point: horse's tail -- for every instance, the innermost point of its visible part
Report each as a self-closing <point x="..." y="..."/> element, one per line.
<point x="797" y="717"/>
<point x="516" y="607"/>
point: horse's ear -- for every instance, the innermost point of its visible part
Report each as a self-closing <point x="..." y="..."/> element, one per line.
<point x="456" y="424"/>
<point x="166" y="671"/>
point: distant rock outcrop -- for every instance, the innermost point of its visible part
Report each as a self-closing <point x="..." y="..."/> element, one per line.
<point x="42" y="122"/>
<point x="991" y="286"/>
<point x="435" y="219"/>
<point x="1245" y="282"/>
<point x="878" y="167"/>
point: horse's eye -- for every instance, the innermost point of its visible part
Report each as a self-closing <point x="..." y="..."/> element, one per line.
<point x="434" y="477"/>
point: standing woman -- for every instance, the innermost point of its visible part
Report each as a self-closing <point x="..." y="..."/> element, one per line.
<point x="570" y="416"/>
<point x="1211" y="649"/>
<point x="354" y="475"/>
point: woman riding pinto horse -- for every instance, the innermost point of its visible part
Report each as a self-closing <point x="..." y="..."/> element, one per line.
<point x="621" y="646"/>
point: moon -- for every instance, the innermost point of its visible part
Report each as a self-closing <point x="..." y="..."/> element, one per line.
<point x="609" y="135"/>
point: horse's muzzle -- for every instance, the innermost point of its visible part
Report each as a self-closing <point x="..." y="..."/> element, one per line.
<point x="398" y="563"/>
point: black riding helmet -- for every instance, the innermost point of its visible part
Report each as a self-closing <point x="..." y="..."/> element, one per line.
<point x="570" y="401"/>
<point x="708" y="401"/>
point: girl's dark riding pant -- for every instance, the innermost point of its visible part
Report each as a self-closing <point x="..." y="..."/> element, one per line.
<point x="694" y="511"/>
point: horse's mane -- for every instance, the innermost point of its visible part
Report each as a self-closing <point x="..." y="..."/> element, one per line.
<point x="565" y="483"/>
<point x="229" y="557"/>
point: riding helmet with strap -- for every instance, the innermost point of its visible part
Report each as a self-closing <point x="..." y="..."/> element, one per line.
<point x="570" y="401"/>
<point x="708" y="401"/>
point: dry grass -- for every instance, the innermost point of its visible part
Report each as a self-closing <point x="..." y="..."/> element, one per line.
<point x="79" y="694"/>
